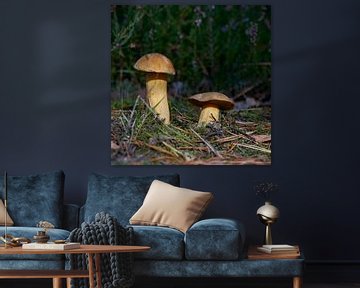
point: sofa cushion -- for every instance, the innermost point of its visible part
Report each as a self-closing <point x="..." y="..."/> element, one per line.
<point x="165" y="243"/>
<point x="35" y="198"/>
<point x="170" y="206"/>
<point x="214" y="239"/>
<point x="9" y="221"/>
<point x="29" y="232"/>
<point x="119" y="196"/>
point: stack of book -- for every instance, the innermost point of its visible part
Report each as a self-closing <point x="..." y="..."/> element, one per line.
<point x="279" y="249"/>
<point x="282" y="251"/>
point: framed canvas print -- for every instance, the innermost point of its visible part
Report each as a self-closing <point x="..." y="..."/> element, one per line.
<point x="191" y="85"/>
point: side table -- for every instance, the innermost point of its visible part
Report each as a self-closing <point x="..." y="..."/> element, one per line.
<point x="288" y="259"/>
<point x="93" y="251"/>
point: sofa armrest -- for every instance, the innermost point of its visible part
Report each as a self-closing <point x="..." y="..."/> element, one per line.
<point x="71" y="216"/>
<point x="215" y="239"/>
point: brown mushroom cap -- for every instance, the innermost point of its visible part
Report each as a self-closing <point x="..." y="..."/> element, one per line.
<point x="212" y="98"/>
<point x="155" y="62"/>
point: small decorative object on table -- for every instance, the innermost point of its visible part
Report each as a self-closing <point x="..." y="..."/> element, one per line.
<point x="11" y="241"/>
<point x="268" y="213"/>
<point x="41" y="236"/>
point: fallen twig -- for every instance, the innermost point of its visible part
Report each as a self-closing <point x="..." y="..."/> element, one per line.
<point x="207" y="144"/>
<point x="174" y="150"/>
<point x="156" y="148"/>
<point x="230" y="138"/>
<point x="255" y="148"/>
<point x="193" y="148"/>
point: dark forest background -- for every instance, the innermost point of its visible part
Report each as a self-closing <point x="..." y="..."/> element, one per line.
<point x="225" y="48"/>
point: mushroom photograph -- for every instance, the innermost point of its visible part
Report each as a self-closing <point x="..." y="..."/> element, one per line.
<point x="190" y="85"/>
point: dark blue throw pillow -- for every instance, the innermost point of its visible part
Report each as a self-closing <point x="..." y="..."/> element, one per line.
<point x="35" y="198"/>
<point x="120" y="196"/>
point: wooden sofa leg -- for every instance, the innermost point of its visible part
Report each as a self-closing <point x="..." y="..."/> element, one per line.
<point x="57" y="283"/>
<point x="297" y="282"/>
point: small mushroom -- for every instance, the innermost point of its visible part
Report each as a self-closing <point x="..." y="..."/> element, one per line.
<point x="156" y="66"/>
<point x="211" y="103"/>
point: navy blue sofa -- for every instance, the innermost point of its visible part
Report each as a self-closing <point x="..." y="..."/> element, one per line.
<point x="210" y="248"/>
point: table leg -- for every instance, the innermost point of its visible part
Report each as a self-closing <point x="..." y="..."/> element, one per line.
<point x="57" y="283"/>
<point x="91" y="270"/>
<point x="98" y="270"/>
<point x="297" y="282"/>
<point x="68" y="282"/>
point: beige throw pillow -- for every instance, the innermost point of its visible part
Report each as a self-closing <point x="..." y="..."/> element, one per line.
<point x="170" y="206"/>
<point x="9" y="221"/>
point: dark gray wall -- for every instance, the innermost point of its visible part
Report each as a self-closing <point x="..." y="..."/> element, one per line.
<point x="55" y="114"/>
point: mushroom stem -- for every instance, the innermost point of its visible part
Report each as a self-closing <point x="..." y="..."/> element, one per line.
<point x="209" y="113"/>
<point x="156" y="92"/>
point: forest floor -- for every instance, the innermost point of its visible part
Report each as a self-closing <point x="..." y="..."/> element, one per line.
<point x="138" y="137"/>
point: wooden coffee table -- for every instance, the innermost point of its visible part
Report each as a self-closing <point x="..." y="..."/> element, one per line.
<point x="92" y="251"/>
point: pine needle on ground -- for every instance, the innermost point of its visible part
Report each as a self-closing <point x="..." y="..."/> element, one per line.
<point x="138" y="137"/>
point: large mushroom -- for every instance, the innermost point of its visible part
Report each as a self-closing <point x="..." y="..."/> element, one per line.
<point x="157" y="68"/>
<point x="211" y="103"/>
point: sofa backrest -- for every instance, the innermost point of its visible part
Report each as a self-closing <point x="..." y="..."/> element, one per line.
<point x="120" y="196"/>
<point x="35" y="198"/>
<point x="70" y="219"/>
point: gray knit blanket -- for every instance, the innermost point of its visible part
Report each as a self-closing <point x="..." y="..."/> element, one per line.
<point x="116" y="268"/>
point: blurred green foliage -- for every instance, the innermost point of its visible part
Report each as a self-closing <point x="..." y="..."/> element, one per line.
<point x="213" y="48"/>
